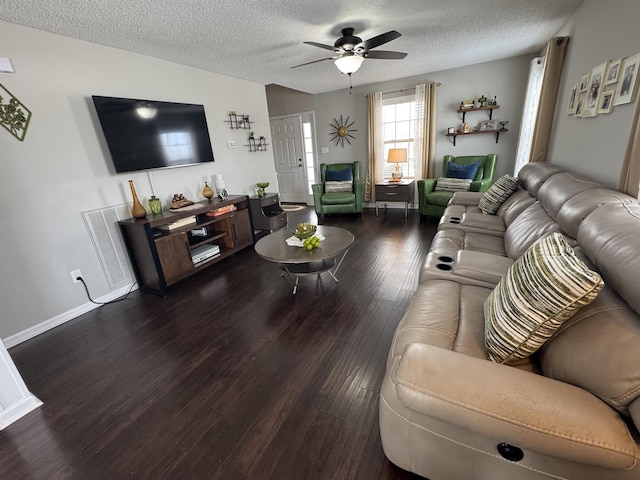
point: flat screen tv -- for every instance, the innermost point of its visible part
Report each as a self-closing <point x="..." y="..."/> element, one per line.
<point x="145" y="134"/>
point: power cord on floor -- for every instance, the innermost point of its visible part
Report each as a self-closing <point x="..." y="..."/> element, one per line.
<point x="86" y="289"/>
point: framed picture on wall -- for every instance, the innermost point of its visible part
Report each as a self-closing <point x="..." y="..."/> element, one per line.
<point x="579" y="105"/>
<point x="594" y="90"/>
<point x="613" y="72"/>
<point x="606" y="102"/>
<point x="584" y="82"/>
<point x="627" y="85"/>
<point x="573" y="96"/>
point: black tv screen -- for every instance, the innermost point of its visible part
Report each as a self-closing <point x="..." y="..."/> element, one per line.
<point x="145" y="134"/>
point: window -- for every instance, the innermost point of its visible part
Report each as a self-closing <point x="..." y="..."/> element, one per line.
<point x="398" y="125"/>
<point x="307" y="135"/>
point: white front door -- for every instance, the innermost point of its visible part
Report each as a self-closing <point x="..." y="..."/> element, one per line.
<point x="286" y="136"/>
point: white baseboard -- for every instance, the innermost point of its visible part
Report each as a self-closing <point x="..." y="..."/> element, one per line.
<point x="36" y="330"/>
<point x="18" y="410"/>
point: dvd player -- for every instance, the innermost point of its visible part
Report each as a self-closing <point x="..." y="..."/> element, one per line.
<point x="204" y="252"/>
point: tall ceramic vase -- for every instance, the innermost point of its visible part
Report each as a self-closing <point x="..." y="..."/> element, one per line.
<point x="137" y="210"/>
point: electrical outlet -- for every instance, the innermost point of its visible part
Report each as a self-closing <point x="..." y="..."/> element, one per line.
<point x="231" y="144"/>
<point x="75" y="274"/>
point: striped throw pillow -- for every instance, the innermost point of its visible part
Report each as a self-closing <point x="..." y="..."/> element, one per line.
<point x="497" y="193"/>
<point x="338" y="186"/>
<point x="545" y="287"/>
<point x="445" y="184"/>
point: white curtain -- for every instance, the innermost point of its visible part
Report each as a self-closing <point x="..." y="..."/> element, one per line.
<point x="529" y="113"/>
<point x="424" y="131"/>
<point x="376" y="160"/>
<point x="419" y="140"/>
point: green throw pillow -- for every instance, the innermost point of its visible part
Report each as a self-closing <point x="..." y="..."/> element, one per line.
<point x="545" y="287"/>
<point x="497" y="193"/>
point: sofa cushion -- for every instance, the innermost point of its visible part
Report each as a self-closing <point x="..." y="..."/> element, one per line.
<point x="497" y="193"/>
<point x="533" y="175"/>
<point x="530" y="226"/>
<point x="577" y="208"/>
<point x="445" y="184"/>
<point x="446" y="315"/>
<point x="598" y="349"/>
<point x="439" y="198"/>
<point x="541" y="290"/>
<point x="513" y="206"/>
<point x="559" y="188"/>
<point x="462" y="171"/>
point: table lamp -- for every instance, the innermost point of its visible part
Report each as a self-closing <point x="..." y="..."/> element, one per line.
<point x="397" y="156"/>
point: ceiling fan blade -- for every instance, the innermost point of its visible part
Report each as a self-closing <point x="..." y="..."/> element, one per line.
<point x="315" y="61"/>
<point x="378" y="40"/>
<point x="385" y="55"/>
<point x="321" y="45"/>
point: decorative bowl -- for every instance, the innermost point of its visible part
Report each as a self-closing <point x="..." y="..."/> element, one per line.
<point x="262" y="184"/>
<point x="305" y="230"/>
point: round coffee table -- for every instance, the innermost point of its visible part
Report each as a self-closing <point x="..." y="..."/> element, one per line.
<point x="297" y="262"/>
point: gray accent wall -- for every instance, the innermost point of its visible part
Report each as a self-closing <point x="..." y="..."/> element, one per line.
<point x="595" y="146"/>
<point x="505" y="79"/>
<point x="62" y="168"/>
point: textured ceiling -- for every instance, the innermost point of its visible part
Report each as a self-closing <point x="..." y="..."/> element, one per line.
<point x="260" y="40"/>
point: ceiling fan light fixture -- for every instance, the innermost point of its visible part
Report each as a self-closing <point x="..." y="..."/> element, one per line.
<point x="349" y="64"/>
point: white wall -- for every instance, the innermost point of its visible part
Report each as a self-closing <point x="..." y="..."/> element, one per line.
<point x="595" y="146"/>
<point x="62" y="168"/>
<point x="505" y="79"/>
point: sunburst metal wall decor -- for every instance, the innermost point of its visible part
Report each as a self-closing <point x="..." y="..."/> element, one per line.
<point x="14" y="116"/>
<point x="342" y="131"/>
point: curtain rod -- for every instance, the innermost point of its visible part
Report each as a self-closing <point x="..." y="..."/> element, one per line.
<point x="402" y="90"/>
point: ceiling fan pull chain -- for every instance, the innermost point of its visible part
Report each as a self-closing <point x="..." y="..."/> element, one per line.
<point x="350" y="85"/>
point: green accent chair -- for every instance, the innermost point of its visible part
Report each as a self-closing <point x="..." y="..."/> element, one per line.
<point x="338" y="202"/>
<point x="433" y="203"/>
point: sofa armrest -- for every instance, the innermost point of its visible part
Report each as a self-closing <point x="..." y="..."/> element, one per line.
<point x="426" y="185"/>
<point x="358" y="188"/>
<point x="481" y="266"/>
<point x="317" y="189"/>
<point x="480" y="185"/>
<point x="521" y="408"/>
<point x="466" y="198"/>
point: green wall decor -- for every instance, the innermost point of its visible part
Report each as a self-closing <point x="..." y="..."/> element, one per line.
<point x="14" y="116"/>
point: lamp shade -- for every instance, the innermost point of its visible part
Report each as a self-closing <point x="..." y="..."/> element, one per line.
<point x="349" y="63"/>
<point x="397" y="155"/>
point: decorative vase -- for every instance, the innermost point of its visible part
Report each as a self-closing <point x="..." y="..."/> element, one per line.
<point x="155" y="205"/>
<point x="207" y="192"/>
<point x="261" y="188"/>
<point x="137" y="210"/>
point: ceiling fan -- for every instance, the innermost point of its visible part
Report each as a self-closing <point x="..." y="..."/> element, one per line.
<point x="350" y="50"/>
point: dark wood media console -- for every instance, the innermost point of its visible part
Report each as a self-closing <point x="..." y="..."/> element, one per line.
<point x="161" y="256"/>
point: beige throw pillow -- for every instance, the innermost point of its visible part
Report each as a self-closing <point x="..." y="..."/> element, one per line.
<point x="543" y="288"/>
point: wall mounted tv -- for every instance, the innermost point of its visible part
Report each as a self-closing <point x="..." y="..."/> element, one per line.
<point x="145" y="134"/>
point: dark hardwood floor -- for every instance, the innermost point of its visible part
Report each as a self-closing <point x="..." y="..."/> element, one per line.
<point x="231" y="376"/>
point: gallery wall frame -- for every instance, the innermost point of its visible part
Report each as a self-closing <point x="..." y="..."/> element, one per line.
<point x="613" y="72"/>
<point x="584" y="83"/>
<point x="573" y="97"/>
<point x="594" y="90"/>
<point x="628" y="83"/>
<point x="606" y="102"/>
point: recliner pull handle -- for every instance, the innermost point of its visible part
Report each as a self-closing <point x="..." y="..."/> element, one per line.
<point x="510" y="452"/>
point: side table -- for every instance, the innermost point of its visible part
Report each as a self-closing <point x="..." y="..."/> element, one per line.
<point x="402" y="191"/>
<point x="266" y="213"/>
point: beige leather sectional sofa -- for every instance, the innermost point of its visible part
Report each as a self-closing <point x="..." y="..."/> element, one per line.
<point x="570" y="411"/>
